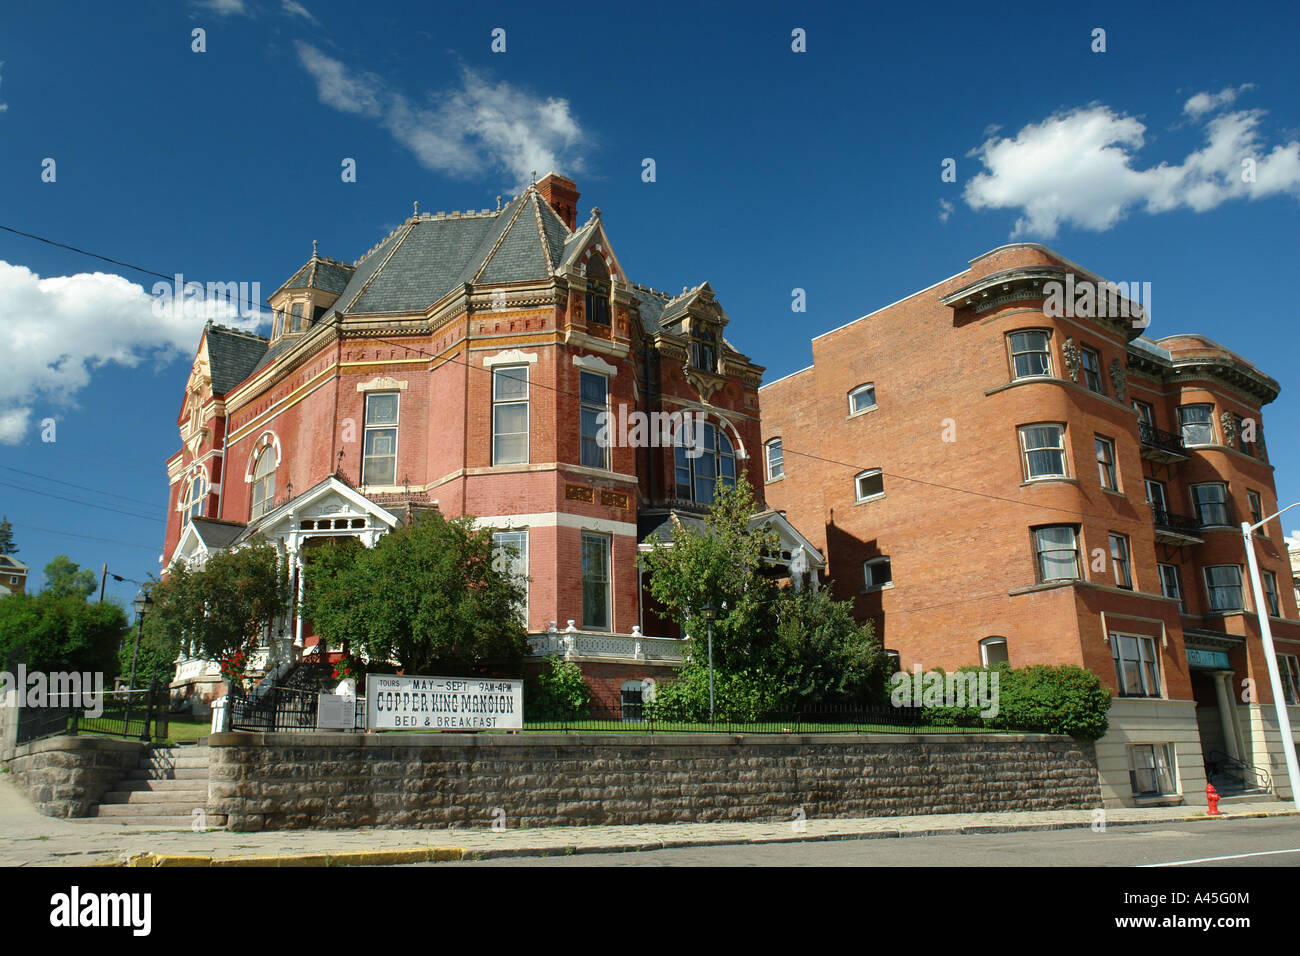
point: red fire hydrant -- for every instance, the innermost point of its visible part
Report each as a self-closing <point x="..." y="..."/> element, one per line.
<point x="1212" y="798"/>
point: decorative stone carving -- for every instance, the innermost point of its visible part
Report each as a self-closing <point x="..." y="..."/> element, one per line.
<point x="1229" y="428"/>
<point x="1073" y="359"/>
<point x="381" y="384"/>
<point x="1118" y="378"/>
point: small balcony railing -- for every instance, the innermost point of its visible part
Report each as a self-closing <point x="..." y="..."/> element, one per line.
<point x="1175" y="529"/>
<point x="1160" y="443"/>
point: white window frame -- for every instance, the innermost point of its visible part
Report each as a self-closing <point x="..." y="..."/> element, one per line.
<point x="516" y="565"/>
<point x="1107" y="471"/>
<point x="989" y="642"/>
<point x="367" y="428"/>
<point x="1025" y="451"/>
<point x="1046" y="350"/>
<point x="1272" y="599"/>
<point x="868" y="577"/>
<point x="499" y="374"/>
<point x="258" y="508"/>
<point x="194" y="499"/>
<point x="867" y="388"/>
<point x="1255" y="501"/>
<point x="1161" y="769"/>
<point x="775" y="462"/>
<point x="1040" y="571"/>
<point x="1184" y="423"/>
<point x="607" y="542"/>
<point x="857" y="485"/>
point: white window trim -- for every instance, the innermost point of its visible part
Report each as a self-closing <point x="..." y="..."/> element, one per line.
<point x="988" y="642"/>
<point x="528" y="429"/>
<point x="608" y="449"/>
<point x="767" y="458"/>
<point x="1024" y="451"/>
<point x="873" y="562"/>
<point x="365" y="407"/>
<point x="1158" y="665"/>
<point x="1011" y="356"/>
<point x="527" y="583"/>
<point x="857" y="490"/>
<point x="1182" y="424"/>
<point x="1209" y="601"/>
<point x="865" y="386"/>
<point x="609" y="582"/>
<point x="1114" y="462"/>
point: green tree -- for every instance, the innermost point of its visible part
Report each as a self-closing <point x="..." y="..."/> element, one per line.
<point x="160" y="637"/>
<point x="823" y="655"/>
<point x="723" y="565"/>
<point x="557" y="692"/>
<point x="65" y="578"/>
<point x="222" y="607"/>
<point x="427" y="596"/>
<point x="53" y="632"/>
<point x="7" y="536"/>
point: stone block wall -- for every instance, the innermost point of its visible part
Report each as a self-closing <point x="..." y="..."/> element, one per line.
<point x="66" y="776"/>
<point x="281" y="781"/>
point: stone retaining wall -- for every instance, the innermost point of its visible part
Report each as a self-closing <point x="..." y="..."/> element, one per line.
<point x="281" y="781"/>
<point x="66" y="776"/>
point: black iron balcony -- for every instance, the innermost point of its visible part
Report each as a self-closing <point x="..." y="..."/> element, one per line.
<point x="1160" y="445"/>
<point x="1175" y="529"/>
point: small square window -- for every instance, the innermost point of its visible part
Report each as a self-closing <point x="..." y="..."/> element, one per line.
<point x="877" y="573"/>
<point x="862" y="398"/>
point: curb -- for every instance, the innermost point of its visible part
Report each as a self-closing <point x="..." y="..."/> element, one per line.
<point x="442" y="854"/>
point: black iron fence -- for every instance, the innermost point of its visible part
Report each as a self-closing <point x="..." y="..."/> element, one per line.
<point x="1159" y="438"/>
<point x="281" y="710"/>
<point x="139" y="714"/>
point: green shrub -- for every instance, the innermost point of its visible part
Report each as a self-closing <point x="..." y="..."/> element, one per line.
<point x="1042" y="698"/>
<point x="558" y="692"/>
<point x="746" y="695"/>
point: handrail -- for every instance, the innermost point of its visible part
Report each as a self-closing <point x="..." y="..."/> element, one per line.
<point x="1263" y="779"/>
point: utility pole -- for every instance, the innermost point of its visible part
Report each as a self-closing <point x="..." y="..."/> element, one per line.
<point x="103" y="579"/>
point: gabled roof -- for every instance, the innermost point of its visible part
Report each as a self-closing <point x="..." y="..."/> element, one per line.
<point x="216" y="534"/>
<point x="232" y="355"/>
<point x="11" y="564"/>
<point x="328" y="275"/>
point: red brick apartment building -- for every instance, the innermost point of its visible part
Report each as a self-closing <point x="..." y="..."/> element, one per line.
<point x="991" y="483"/>
<point x="462" y="364"/>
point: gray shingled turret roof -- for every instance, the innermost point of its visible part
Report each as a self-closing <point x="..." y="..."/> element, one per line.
<point x="328" y="275"/>
<point x="232" y="355"/>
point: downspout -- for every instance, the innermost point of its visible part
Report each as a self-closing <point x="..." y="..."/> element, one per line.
<point x="225" y="469"/>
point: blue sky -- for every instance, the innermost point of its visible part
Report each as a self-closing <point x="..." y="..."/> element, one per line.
<point x="774" y="170"/>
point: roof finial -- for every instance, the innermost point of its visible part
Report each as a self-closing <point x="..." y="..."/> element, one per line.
<point x="534" y="175"/>
<point x="498" y="204"/>
<point x="314" y="254"/>
<point x="595" y="212"/>
<point x="416" y="214"/>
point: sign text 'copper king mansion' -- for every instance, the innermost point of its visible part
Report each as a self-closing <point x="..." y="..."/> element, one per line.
<point x="398" y="702"/>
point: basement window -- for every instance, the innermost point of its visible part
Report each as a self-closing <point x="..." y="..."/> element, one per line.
<point x="1151" y="770"/>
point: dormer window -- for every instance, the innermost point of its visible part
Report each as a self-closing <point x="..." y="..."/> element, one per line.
<point x="704" y="348"/>
<point x="597" y="291"/>
<point x="297" y="317"/>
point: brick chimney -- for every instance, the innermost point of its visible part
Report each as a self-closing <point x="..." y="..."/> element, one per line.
<point x="561" y="194"/>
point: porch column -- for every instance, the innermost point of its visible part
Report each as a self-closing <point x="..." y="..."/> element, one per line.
<point x="297" y="615"/>
<point x="1226" y="707"/>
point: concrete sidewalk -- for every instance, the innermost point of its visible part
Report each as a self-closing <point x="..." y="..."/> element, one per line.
<point x="29" y="839"/>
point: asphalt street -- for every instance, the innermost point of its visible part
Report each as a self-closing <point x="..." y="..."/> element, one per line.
<point x="1227" y="843"/>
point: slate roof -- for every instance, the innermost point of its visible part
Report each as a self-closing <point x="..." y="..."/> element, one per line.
<point x="328" y="275"/>
<point x="232" y="355"/>
<point x="216" y="534"/>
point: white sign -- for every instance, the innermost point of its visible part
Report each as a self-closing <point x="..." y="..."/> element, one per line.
<point x="334" y="712"/>
<point x="444" y="703"/>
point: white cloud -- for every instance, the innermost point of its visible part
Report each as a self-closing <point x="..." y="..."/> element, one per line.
<point x="945" y="209"/>
<point x="3" y="106"/>
<point x="297" y="9"/>
<point x="59" y="330"/>
<point x="225" y="8"/>
<point x="479" y="127"/>
<point x="1203" y="103"/>
<point x="1079" y="168"/>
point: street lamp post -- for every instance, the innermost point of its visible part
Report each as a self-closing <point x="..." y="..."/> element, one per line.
<point x="142" y="603"/>
<point x="709" y="612"/>
<point x="1266" y="637"/>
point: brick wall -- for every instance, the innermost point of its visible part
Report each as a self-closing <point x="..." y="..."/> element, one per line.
<point x="290" y="781"/>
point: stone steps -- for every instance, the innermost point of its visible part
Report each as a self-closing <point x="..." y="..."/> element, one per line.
<point x="166" y="788"/>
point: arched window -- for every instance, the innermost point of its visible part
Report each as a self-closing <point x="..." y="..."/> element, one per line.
<point x="703" y="458"/>
<point x="862" y="398"/>
<point x="597" y="291"/>
<point x="263" y="484"/>
<point x="993" y="650"/>
<point x="194" y="496"/>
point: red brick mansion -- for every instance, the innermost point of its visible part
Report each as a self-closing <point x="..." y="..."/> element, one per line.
<point x="463" y="364"/>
